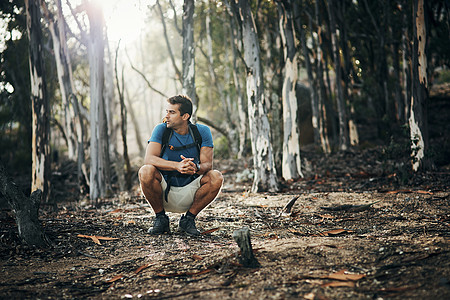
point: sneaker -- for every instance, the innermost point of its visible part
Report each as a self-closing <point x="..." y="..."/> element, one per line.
<point x="187" y="224"/>
<point x="160" y="225"/>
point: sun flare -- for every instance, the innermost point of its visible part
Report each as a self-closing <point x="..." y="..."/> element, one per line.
<point x="124" y="19"/>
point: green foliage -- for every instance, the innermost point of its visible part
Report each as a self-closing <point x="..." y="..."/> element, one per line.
<point x="221" y="148"/>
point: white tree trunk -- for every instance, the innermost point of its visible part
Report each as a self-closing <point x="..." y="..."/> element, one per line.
<point x="99" y="138"/>
<point x="40" y="177"/>
<point x="265" y="178"/>
<point x="64" y="86"/>
<point x="291" y="165"/>
<point x="189" y="56"/>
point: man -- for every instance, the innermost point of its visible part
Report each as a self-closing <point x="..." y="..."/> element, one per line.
<point x="181" y="178"/>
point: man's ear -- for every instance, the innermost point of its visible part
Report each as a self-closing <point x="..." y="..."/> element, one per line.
<point x="186" y="116"/>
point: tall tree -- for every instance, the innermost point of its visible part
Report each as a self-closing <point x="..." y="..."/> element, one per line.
<point x="189" y="55"/>
<point x="340" y="100"/>
<point x="40" y="106"/>
<point x="236" y="45"/>
<point x="265" y="178"/>
<point x="291" y="165"/>
<point x="418" y="114"/>
<point x="99" y="181"/>
<point x="74" y="129"/>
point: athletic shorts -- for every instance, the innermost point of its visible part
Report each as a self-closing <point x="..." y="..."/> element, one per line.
<point x="180" y="197"/>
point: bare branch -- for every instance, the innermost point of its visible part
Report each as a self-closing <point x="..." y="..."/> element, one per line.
<point x="169" y="48"/>
<point x="146" y="80"/>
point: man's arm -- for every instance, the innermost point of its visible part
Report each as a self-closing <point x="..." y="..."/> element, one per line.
<point x="186" y="166"/>
<point x="206" y="160"/>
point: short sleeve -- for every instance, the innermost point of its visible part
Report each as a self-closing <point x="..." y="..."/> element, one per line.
<point x="157" y="133"/>
<point x="205" y="132"/>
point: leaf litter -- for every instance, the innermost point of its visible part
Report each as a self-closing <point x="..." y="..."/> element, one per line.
<point x="396" y="247"/>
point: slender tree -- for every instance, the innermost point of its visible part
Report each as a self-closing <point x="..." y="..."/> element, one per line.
<point x="99" y="182"/>
<point x="265" y="178"/>
<point x="40" y="107"/>
<point x="341" y="107"/>
<point x="418" y="114"/>
<point x="291" y="165"/>
<point x="189" y="55"/>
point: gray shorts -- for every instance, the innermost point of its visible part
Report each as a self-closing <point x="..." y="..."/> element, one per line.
<point x="180" y="198"/>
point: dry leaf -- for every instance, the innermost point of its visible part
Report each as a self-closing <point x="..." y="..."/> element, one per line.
<point x="197" y="257"/>
<point x="115" y="278"/>
<point x="141" y="268"/>
<point x="339" y="284"/>
<point x="209" y="231"/>
<point x="342" y="275"/>
<point x="105" y="238"/>
<point x="96" y="239"/>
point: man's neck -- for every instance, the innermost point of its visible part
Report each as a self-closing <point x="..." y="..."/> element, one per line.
<point x="183" y="129"/>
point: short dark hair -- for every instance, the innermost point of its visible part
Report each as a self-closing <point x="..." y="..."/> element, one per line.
<point x="185" y="104"/>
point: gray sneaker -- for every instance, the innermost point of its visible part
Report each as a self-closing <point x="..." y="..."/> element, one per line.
<point x="160" y="225"/>
<point x="187" y="224"/>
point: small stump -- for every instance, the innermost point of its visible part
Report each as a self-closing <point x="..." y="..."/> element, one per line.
<point x="242" y="238"/>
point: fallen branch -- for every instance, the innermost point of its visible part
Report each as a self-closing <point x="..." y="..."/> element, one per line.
<point x="349" y="207"/>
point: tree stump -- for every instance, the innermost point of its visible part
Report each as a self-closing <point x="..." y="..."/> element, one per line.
<point x="25" y="209"/>
<point x="242" y="238"/>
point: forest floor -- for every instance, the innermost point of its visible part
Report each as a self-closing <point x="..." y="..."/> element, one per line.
<point x="331" y="245"/>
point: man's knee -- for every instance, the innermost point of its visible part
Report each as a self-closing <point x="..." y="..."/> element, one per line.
<point x="215" y="178"/>
<point x="147" y="173"/>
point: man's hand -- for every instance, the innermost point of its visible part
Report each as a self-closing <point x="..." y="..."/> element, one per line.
<point x="187" y="166"/>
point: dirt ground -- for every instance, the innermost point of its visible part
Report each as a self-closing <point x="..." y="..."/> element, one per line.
<point x="331" y="245"/>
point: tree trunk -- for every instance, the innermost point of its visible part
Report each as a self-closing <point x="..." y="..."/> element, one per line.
<point x="321" y="89"/>
<point x="406" y="64"/>
<point x="73" y="120"/>
<point x="264" y="168"/>
<point x="136" y="125"/>
<point x="342" y="114"/>
<point x="235" y="33"/>
<point x="123" y="123"/>
<point x="26" y="210"/>
<point x="99" y="137"/>
<point x="62" y="70"/>
<point x="418" y="113"/>
<point x="189" y="56"/>
<point x="78" y="118"/>
<point x="40" y="178"/>
<point x="291" y="165"/>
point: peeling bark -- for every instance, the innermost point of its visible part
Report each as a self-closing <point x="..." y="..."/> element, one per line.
<point x="418" y="113"/>
<point x="264" y="167"/>
<point x="40" y="178"/>
<point x="291" y="165"/>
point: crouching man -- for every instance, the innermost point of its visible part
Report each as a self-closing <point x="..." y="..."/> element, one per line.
<point x="177" y="174"/>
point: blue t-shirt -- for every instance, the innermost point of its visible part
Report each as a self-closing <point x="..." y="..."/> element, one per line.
<point x="178" y="140"/>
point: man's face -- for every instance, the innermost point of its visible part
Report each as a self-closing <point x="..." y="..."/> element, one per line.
<point x="174" y="119"/>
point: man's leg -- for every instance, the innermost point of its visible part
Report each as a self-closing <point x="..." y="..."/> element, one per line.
<point x="210" y="185"/>
<point x="150" y="179"/>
